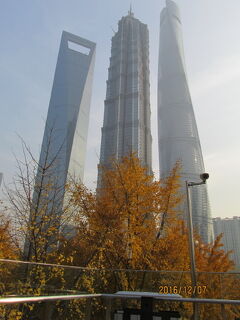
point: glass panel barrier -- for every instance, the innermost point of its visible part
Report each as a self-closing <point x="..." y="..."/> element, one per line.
<point x="71" y="287"/>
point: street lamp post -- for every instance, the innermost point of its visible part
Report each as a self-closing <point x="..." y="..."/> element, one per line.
<point x="204" y="177"/>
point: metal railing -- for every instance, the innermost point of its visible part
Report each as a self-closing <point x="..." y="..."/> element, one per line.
<point x="90" y="293"/>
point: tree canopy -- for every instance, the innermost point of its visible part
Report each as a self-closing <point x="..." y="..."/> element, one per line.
<point x="129" y="235"/>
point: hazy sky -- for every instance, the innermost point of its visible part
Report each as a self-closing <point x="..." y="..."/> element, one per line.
<point x="30" y="33"/>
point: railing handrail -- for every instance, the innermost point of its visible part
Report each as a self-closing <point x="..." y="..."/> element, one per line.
<point x="113" y="270"/>
<point x="14" y="300"/>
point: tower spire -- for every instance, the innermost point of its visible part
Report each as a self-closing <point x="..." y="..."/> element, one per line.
<point x="130" y="13"/>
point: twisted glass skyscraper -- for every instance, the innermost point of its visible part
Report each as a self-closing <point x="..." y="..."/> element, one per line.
<point x="126" y="126"/>
<point x="177" y="129"/>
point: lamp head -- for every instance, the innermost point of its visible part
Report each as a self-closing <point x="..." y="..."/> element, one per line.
<point x="204" y="177"/>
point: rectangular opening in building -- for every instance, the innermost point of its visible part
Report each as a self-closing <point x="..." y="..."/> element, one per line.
<point x="78" y="47"/>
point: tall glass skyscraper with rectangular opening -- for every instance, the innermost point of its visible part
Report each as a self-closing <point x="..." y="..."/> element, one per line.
<point x="66" y="128"/>
<point x="126" y="125"/>
<point x="177" y="128"/>
<point x="65" y="136"/>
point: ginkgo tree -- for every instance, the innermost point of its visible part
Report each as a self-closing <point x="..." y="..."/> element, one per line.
<point x="128" y="235"/>
<point x="33" y="203"/>
<point x="8" y="250"/>
<point x="122" y="223"/>
<point x="133" y="222"/>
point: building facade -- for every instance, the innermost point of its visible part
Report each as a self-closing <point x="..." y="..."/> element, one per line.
<point x="1" y="178"/>
<point x="177" y="129"/>
<point x="66" y="128"/>
<point x="126" y="125"/>
<point x="230" y="227"/>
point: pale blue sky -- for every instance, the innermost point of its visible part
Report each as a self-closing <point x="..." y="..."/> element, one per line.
<point x="30" y="33"/>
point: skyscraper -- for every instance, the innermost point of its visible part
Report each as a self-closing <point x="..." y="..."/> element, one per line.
<point x="1" y="177"/>
<point x="64" y="142"/>
<point x="177" y="129"/>
<point x="126" y="126"/>
<point x="230" y="228"/>
<point x="66" y="129"/>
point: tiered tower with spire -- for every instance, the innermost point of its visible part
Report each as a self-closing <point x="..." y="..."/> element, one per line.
<point x="126" y="125"/>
